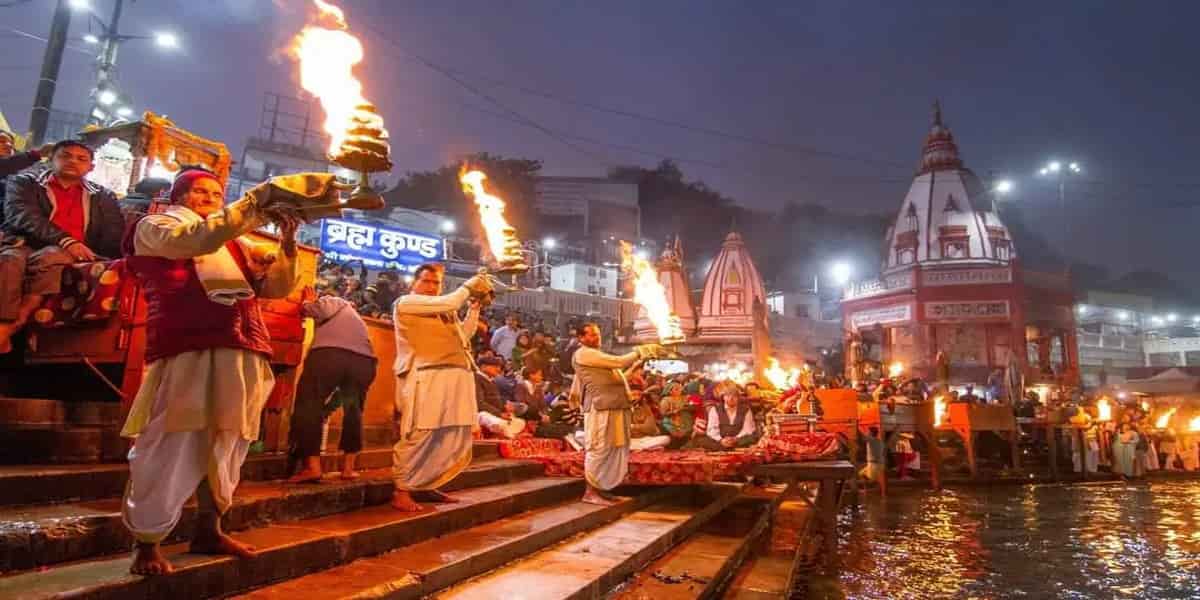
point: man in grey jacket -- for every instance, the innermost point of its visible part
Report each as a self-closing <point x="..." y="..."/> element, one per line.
<point x="52" y="219"/>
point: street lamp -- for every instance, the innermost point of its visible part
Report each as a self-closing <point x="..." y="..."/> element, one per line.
<point x="1055" y="169"/>
<point x="1004" y="186"/>
<point x="110" y="39"/>
<point x="448" y="226"/>
<point x="841" y="272"/>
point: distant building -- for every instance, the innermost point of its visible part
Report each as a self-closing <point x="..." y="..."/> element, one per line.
<point x="585" y="279"/>
<point x="804" y="304"/>
<point x="1111" y="330"/>
<point x="591" y="213"/>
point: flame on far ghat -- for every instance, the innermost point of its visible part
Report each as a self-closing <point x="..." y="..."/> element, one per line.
<point x="1103" y="410"/>
<point x="649" y="292"/>
<point x="501" y="237"/>
<point x="782" y="379"/>
<point x="939" y="411"/>
<point x="1194" y="424"/>
<point x="327" y="54"/>
<point x="735" y="372"/>
<point x="1164" y="419"/>
<point x="895" y="369"/>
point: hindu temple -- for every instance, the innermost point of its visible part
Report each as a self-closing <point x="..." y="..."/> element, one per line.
<point x="952" y="288"/>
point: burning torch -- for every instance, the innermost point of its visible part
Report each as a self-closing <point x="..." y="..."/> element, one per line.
<point x="649" y="292"/>
<point x="502" y="241"/>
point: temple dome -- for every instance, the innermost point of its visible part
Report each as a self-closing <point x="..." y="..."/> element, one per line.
<point x="948" y="215"/>
<point x="674" y="280"/>
<point x="730" y="289"/>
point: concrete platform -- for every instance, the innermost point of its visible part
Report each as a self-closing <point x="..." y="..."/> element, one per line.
<point x="762" y="577"/>
<point x="594" y="563"/>
<point x="34" y="536"/>
<point x="290" y="550"/>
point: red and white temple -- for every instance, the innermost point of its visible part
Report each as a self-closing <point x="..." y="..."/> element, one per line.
<point x="951" y="282"/>
<point x="723" y="325"/>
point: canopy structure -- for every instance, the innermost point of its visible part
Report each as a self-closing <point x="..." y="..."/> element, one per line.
<point x="1172" y="382"/>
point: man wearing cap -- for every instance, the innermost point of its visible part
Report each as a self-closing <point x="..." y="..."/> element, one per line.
<point x="600" y="388"/>
<point x="435" y="391"/>
<point x="208" y="373"/>
<point x="52" y="219"/>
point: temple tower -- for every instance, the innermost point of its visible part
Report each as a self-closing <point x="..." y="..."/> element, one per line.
<point x="730" y="290"/>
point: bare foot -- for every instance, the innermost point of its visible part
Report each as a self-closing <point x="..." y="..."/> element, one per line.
<point x="305" y="476"/>
<point x="599" y="497"/>
<point x="221" y="543"/>
<point x="439" y="496"/>
<point x="148" y="560"/>
<point x="403" y="501"/>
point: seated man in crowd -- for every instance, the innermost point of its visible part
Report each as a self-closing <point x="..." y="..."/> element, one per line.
<point x="730" y="425"/>
<point x="529" y="397"/>
<point x="493" y="416"/>
<point x="52" y="219"/>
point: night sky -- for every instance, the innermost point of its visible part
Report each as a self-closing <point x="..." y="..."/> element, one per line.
<point x="1111" y="85"/>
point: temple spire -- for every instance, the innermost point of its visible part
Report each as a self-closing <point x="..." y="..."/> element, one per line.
<point x="939" y="152"/>
<point x="937" y="113"/>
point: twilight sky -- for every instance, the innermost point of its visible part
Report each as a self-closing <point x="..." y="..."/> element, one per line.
<point x="835" y="95"/>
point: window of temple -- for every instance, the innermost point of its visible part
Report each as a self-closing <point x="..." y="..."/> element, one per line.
<point x="954" y="249"/>
<point x="906" y="256"/>
<point x="1002" y="250"/>
<point x="954" y="241"/>
<point x="906" y="247"/>
<point x="731" y="302"/>
<point x="732" y="277"/>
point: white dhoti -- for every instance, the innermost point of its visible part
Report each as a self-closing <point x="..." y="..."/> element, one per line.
<point x="649" y="442"/>
<point x="606" y="457"/>
<point x="194" y="418"/>
<point x="507" y="428"/>
<point x="437" y="412"/>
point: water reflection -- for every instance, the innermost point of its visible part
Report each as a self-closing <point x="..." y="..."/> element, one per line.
<point x="1039" y="541"/>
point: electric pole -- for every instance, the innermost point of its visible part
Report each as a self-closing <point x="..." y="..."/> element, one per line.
<point x="56" y="42"/>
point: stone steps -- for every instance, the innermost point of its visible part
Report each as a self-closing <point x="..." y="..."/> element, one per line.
<point x="292" y="550"/>
<point x="41" y="535"/>
<point x="593" y="563"/>
<point x="41" y="484"/>
<point x="422" y="569"/>
<point x="702" y="565"/>
<point x="58" y="432"/>
<point x="762" y="577"/>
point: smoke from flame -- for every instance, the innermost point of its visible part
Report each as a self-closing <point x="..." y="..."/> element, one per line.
<point x="501" y="237"/>
<point x="649" y="292"/>
<point x="939" y="411"/>
<point x="1164" y="419"/>
<point x="327" y="54"/>
<point x="1103" y="410"/>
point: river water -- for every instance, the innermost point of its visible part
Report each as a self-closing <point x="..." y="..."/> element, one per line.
<point x="1110" y="540"/>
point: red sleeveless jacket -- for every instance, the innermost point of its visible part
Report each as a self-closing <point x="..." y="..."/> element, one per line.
<point x="180" y="317"/>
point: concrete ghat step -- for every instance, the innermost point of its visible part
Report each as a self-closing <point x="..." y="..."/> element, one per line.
<point x="422" y="569"/>
<point x="289" y="551"/>
<point x="706" y="561"/>
<point x="40" y="484"/>
<point x="595" y="562"/>
<point x="35" y="536"/>
<point x="762" y="577"/>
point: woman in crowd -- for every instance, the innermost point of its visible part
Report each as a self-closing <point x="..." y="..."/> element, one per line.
<point x="520" y="349"/>
<point x="677" y="416"/>
<point x="1124" y="450"/>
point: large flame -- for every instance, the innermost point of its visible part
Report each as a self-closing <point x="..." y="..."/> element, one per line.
<point x="782" y="379"/>
<point x="501" y="237"/>
<point x="735" y="372"/>
<point x="1194" y="424"/>
<point x="1103" y="410"/>
<point x="649" y="292"/>
<point x="895" y="369"/>
<point x="327" y="53"/>
<point x="1164" y="419"/>
<point x="939" y="411"/>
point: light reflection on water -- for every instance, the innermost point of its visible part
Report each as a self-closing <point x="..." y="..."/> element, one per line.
<point x="1078" y="541"/>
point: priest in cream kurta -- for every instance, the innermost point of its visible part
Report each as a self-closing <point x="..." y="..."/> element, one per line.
<point x="197" y="410"/>
<point x="601" y="389"/>
<point x="435" y="391"/>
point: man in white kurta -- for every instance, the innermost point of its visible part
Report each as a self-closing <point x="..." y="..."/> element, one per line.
<point x="197" y="410"/>
<point x="435" y="391"/>
<point x="601" y="388"/>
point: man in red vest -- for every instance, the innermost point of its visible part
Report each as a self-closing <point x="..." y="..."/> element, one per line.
<point x="208" y="373"/>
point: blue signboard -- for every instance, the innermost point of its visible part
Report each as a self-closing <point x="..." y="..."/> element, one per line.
<point x="378" y="247"/>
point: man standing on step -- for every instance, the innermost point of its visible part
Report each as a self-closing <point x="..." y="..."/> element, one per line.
<point x="208" y="371"/>
<point x="601" y="388"/>
<point x="435" y="391"/>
